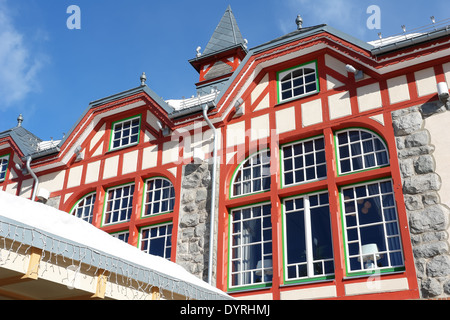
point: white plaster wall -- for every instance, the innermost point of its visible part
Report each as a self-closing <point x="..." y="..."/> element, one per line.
<point x="260" y="87"/>
<point x="369" y="97"/>
<point x="439" y="128"/>
<point x="426" y="82"/>
<point x="236" y="134"/>
<point x="339" y="105"/>
<point x="260" y="127"/>
<point x="398" y="89"/>
<point x="93" y="171"/>
<point x="312" y="113"/>
<point x="75" y="177"/>
<point x="111" y="166"/>
<point x="130" y="162"/>
<point x="285" y="120"/>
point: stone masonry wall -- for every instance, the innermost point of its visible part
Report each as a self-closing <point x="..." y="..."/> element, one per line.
<point x="194" y="220"/>
<point x="428" y="217"/>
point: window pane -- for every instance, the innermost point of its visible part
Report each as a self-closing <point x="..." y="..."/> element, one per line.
<point x="308" y="257"/>
<point x="119" y="204"/>
<point x="251" y="245"/>
<point x="160" y="196"/>
<point x="157" y="240"/>
<point x="125" y="133"/>
<point x="371" y="224"/>
<point x="253" y="175"/>
<point x="299" y="82"/>
<point x="359" y="150"/>
<point x="304" y="161"/>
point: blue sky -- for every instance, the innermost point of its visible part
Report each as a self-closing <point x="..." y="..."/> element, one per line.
<point x="50" y="73"/>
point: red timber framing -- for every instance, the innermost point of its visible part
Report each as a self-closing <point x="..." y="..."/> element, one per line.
<point x="341" y="51"/>
<point x="248" y="76"/>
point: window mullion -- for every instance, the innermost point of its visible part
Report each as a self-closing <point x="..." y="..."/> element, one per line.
<point x="308" y="236"/>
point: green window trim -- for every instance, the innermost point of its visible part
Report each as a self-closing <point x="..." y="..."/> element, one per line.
<point x="113" y="131"/>
<point x="293" y="87"/>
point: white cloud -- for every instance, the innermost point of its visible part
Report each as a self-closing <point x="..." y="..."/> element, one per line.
<point x="19" y="66"/>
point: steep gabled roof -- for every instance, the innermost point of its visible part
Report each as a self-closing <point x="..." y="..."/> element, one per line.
<point x="226" y="35"/>
<point x="27" y="142"/>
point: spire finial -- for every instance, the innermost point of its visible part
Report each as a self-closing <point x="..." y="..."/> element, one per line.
<point x="19" y="120"/>
<point x="143" y="79"/>
<point x="299" y="22"/>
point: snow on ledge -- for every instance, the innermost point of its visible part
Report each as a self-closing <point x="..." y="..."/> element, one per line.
<point x="55" y="222"/>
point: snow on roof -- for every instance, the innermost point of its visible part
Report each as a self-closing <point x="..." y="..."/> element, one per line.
<point x="394" y="39"/>
<point x="54" y="222"/>
<point x="194" y="101"/>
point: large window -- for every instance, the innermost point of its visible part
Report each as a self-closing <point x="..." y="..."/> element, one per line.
<point x="125" y="133"/>
<point x="84" y="209"/>
<point x="307" y="237"/>
<point x="360" y="149"/>
<point x="157" y="240"/>
<point x="252" y="176"/>
<point x="118" y="204"/>
<point x="304" y="161"/>
<point x="159" y="197"/>
<point x="372" y="232"/>
<point x="4" y="160"/>
<point x="298" y="82"/>
<point x="313" y="211"/>
<point x="251" y="246"/>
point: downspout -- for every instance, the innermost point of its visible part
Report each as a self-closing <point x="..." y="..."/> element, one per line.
<point x="36" y="180"/>
<point x="213" y="195"/>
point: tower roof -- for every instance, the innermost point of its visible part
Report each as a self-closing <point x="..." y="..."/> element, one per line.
<point x="226" y="35"/>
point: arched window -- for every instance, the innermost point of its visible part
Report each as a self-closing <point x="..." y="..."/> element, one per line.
<point x="159" y="197"/>
<point x="298" y="82"/>
<point x="84" y="208"/>
<point x="359" y="149"/>
<point x="252" y="176"/>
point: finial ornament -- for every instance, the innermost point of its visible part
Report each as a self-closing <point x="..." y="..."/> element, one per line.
<point x="299" y="22"/>
<point x="19" y="120"/>
<point x="143" y="79"/>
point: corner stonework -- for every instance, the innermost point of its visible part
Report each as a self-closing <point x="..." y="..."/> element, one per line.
<point x="194" y="219"/>
<point x="428" y="216"/>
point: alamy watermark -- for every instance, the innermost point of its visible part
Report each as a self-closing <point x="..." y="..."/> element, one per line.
<point x="374" y="20"/>
<point x="74" y="20"/>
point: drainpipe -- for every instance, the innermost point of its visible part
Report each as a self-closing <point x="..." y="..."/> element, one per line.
<point x="213" y="195"/>
<point x="36" y="180"/>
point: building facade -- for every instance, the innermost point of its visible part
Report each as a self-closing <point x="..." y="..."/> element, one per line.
<point x="308" y="167"/>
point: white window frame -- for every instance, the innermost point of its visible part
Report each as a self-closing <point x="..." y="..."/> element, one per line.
<point x="121" y="235"/>
<point x="166" y="196"/>
<point x="119" y="134"/>
<point x="353" y="228"/>
<point x="250" y="165"/>
<point x="4" y="162"/>
<point x="297" y="78"/>
<point x="111" y="197"/>
<point x="246" y="276"/>
<point x="83" y="210"/>
<point x="145" y="242"/>
<point x="308" y="237"/>
<point x="360" y="144"/>
<point x="305" y="167"/>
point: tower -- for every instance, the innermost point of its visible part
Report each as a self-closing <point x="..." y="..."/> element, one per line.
<point x="222" y="55"/>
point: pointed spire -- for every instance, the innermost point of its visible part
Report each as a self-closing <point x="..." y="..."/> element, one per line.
<point x="226" y="35"/>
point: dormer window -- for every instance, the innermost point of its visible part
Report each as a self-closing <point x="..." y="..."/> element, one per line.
<point x="298" y="82"/>
<point x="3" y="167"/>
<point x="125" y="133"/>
